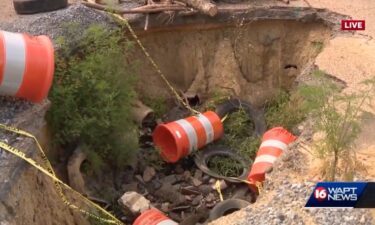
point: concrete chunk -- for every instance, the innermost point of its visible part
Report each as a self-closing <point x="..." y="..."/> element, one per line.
<point x="134" y="202"/>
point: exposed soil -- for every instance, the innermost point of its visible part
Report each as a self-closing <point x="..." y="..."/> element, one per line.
<point x="251" y="61"/>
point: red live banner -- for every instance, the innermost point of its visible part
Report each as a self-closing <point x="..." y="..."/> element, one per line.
<point x="353" y="25"/>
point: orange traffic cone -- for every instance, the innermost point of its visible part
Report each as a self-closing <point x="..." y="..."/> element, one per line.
<point x="153" y="217"/>
<point x="274" y="143"/>
<point x="26" y="66"/>
<point x="180" y="138"/>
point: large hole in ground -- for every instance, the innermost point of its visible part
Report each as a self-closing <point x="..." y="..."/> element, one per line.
<point x="252" y="61"/>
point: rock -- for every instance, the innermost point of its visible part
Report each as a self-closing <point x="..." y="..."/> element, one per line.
<point x="179" y="169"/>
<point x="148" y="174"/>
<point x="192" y="219"/>
<point x="205" y="189"/>
<point x="197" y="200"/>
<point x="139" y="178"/>
<point x="159" y="121"/>
<point x="210" y="204"/>
<point x="281" y="217"/>
<point x="134" y="202"/>
<point x="196" y="182"/>
<point x="223" y="185"/>
<point x="187" y="175"/>
<point x="180" y="208"/>
<point x="212" y="181"/>
<point x="156" y="184"/>
<point x="206" y="178"/>
<point x="170" y="193"/>
<point x="174" y="216"/>
<point x="171" y="179"/>
<point x="165" y="207"/>
<point x="210" y="197"/>
<point x="129" y="187"/>
<point x="198" y="174"/>
<point x="190" y="190"/>
<point x="363" y="219"/>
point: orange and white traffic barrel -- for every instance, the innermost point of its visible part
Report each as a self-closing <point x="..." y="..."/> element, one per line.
<point x="26" y="66"/>
<point x="153" y="217"/>
<point x="274" y="142"/>
<point x="180" y="138"/>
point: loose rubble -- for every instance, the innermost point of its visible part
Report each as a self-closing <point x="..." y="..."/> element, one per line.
<point x="287" y="207"/>
<point x="54" y="24"/>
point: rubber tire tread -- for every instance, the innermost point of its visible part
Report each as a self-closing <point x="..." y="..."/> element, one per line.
<point x="201" y="160"/>
<point x="222" y="207"/>
<point x="37" y="6"/>
<point x="256" y="115"/>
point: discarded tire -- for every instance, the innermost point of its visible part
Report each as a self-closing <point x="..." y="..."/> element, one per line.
<point x="26" y="66"/>
<point x="36" y="6"/>
<point x="182" y="137"/>
<point x="274" y="142"/>
<point x="153" y="217"/>
<point x="233" y="105"/>
<point x="227" y="207"/>
<point x="202" y="158"/>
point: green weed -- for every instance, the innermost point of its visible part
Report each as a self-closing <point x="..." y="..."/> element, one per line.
<point x="318" y="46"/>
<point x="92" y="94"/>
<point x="337" y="116"/>
<point x="285" y="110"/>
<point x="158" y="104"/>
<point x="225" y="166"/>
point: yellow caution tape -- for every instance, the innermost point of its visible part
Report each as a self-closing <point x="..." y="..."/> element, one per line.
<point x="224" y="118"/>
<point x="218" y="189"/>
<point x="258" y="184"/>
<point x="156" y="67"/>
<point x="51" y="174"/>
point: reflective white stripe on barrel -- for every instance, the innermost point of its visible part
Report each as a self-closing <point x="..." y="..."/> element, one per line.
<point x="14" y="66"/>
<point x="209" y="130"/>
<point x="274" y="143"/>
<point x="167" y="222"/>
<point x="265" y="158"/>
<point x="192" y="135"/>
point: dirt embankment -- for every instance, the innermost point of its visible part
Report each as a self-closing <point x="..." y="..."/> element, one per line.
<point x="254" y="63"/>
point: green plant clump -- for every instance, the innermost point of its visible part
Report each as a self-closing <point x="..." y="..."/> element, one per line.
<point x="239" y="137"/>
<point x="158" y="104"/>
<point x="225" y="166"/>
<point x="337" y="117"/>
<point x="92" y="94"/>
<point x="285" y="110"/>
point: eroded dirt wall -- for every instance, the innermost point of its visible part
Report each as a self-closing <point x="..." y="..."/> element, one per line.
<point x="251" y="61"/>
<point x="28" y="197"/>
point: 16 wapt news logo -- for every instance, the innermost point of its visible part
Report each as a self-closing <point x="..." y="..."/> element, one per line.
<point x="343" y="194"/>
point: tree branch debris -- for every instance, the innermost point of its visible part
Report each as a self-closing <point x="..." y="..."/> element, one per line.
<point x="204" y="6"/>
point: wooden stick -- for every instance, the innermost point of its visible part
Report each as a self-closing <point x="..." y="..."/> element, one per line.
<point x="204" y="6"/>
